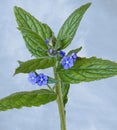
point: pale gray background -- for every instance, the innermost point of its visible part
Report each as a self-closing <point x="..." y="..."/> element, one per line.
<point x="92" y="106"/>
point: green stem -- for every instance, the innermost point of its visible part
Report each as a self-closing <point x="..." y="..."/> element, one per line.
<point x="60" y="102"/>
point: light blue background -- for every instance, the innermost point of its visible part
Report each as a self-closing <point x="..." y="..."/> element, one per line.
<point x="92" y="106"/>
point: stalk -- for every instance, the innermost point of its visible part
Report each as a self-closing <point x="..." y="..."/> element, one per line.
<point x="60" y="101"/>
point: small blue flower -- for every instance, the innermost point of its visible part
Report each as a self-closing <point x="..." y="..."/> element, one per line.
<point x="32" y="78"/>
<point x="41" y="79"/>
<point x="47" y="41"/>
<point x="62" y="54"/>
<point x="50" y="50"/>
<point x="74" y="56"/>
<point x="67" y="62"/>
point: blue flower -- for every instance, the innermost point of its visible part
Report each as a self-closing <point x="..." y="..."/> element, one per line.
<point x="41" y="79"/>
<point x="50" y="50"/>
<point x="47" y="41"/>
<point x="67" y="62"/>
<point x="74" y="56"/>
<point x="32" y="77"/>
<point x="62" y="54"/>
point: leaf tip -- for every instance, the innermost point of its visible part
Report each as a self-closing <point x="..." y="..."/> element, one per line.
<point x="89" y="3"/>
<point x="14" y="73"/>
<point x="15" y="7"/>
<point x="15" y="10"/>
<point x="80" y="48"/>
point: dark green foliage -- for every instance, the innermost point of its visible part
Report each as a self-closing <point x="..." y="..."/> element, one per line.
<point x="65" y="90"/>
<point x="84" y="70"/>
<point x="69" y="28"/>
<point x="34" y="43"/>
<point x="27" y="21"/>
<point x="74" y="51"/>
<point x="30" y="28"/>
<point x="51" y="80"/>
<point x="34" y="64"/>
<point x="27" y="99"/>
<point x="88" y="69"/>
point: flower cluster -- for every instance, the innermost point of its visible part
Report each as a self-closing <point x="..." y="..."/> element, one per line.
<point x="39" y="79"/>
<point x="68" y="61"/>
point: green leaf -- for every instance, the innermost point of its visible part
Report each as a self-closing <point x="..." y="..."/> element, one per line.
<point x="51" y="80"/>
<point x="26" y="20"/>
<point x="34" y="32"/>
<point x="34" y="64"/>
<point x="27" y="99"/>
<point x="70" y="26"/>
<point x="20" y="62"/>
<point x="88" y="69"/>
<point x="34" y="43"/>
<point x="75" y="50"/>
<point x="65" y="89"/>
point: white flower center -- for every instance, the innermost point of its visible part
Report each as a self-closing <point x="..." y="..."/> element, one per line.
<point x="33" y="78"/>
<point x="41" y="79"/>
<point x="67" y="62"/>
